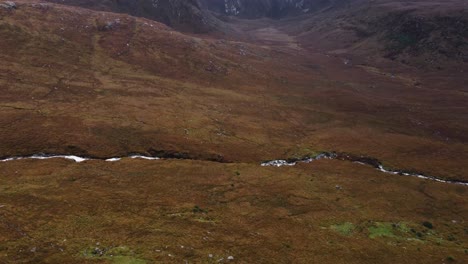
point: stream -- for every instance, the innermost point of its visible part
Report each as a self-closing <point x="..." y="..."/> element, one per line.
<point x="367" y="161"/>
<point x="359" y="160"/>
<point x="77" y="159"/>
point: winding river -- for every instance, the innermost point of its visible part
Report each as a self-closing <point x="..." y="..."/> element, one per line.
<point x="367" y="161"/>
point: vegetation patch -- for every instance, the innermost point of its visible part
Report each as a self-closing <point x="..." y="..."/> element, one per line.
<point x="345" y="229"/>
<point x="450" y="259"/>
<point x="401" y="231"/>
<point x="300" y="153"/>
<point x="427" y="224"/>
<point x="127" y="260"/>
<point x="206" y="220"/>
<point x="117" y="255"/>
<point x="197" y="209"/>
<point x="403" y="40"/>
<point x="389" y="230"/>
<point x="383" y="230"/>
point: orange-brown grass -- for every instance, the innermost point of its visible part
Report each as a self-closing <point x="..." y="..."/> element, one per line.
<point x="70" y="86"/>
<point x="171" y="211"/>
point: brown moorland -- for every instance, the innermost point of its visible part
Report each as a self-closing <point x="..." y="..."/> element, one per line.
<point x="99" y="84"/>
<point x="173" y="211"/>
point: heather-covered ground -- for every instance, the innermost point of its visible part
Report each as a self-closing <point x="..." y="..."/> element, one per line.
<point x="95" y="84"/>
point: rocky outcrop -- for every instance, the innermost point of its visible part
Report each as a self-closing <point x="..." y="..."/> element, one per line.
<point x="8" y="5"/>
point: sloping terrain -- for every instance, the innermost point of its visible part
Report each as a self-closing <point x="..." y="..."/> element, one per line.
<point x="102" y="84"/>
<point x="268" y="8"/>
<point x="203" y="212"/>
<point x="76" y="81"/>
<point x="423" y="34"/>
<point x="180" y="14"/>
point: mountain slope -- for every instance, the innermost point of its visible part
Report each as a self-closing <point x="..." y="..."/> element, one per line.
<point x="268" y="8"/>
<point x="431" y="34"/>
<point x="100" y="85"/>
<point x="104" y="84"/>
<point x="427" y="34"/>
<point x="179" y="14"/>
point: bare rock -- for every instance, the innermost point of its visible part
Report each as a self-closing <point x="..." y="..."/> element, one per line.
<point x="9" y="5"/>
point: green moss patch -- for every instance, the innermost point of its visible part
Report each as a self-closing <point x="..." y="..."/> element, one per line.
<point x="117" y="255"/>
<point x="388" y="229"/>
<point x="345" y="229"/>
<point x="381" y="230"/>
<point x="127" y="260"/>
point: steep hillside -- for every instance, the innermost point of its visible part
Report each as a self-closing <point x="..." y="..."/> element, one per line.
<point x="428" y="34"/>
<point x="268" y="8"/>
<point x="186" y="15"/>
<point x="65" y="58"/>
<point x="179" y="13"/>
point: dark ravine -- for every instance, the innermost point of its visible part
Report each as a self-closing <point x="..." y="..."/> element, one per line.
<point x="375" y="163"/>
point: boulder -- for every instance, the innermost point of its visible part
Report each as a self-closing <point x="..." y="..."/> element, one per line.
<point x="8" y="5"/>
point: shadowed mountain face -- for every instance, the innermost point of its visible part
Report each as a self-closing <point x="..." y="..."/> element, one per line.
<point x="197" y="15"/>
<point x="399" y="30"/>
<point x="417" y="33"/>
<point x="267" y="8"/>
<point x="185" y="15"/>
